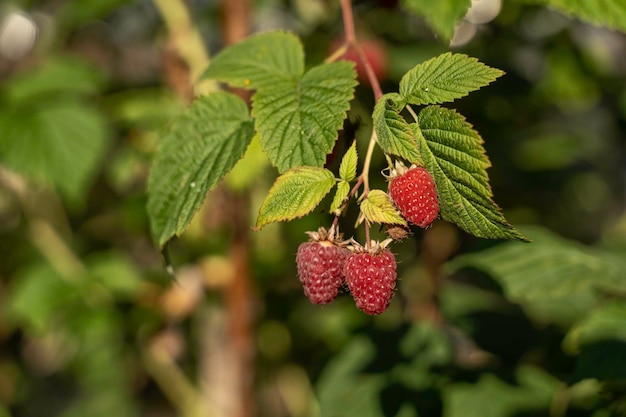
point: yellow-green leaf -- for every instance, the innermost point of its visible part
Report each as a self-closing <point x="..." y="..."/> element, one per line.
<point x="343" y="189"/>
<point x="295" y="193"/>
<point x="347" y="169"/>
<point x="378" y="208"/>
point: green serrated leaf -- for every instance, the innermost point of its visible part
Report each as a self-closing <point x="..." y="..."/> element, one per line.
<point x="553" y="279"/>
<point x="259" y="61"/>
<point x="378" y="208"/>
<point x="198" y="150"/>
<point x="61" y="142"/>
<point x="445" y="78"/>
<point x="347" y="169"/>
<point x="452" y="151"/>
<point x="295" y="193"/>
<point x="298" y="121"/>
<point x="441" y="15"/>
<point x="395" y="136"/>
<point x="343" y="189"/>
<point x="609" y="13"/>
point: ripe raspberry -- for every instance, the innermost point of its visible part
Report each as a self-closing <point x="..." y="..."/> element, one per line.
<point x="320" y="267"/>
<point x="414" y="193"/>
<point x="371" y="277"/>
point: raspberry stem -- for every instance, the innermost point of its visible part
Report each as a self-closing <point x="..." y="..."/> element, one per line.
<point x="367" y="163"/>
<point x="351" y="42"/>
<point x="410" y="109"/>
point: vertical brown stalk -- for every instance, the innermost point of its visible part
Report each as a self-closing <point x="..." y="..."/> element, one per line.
<point x="236" y="20"/>
<point x="239" y="304"/>
<point x="239" y="292"/>
<point x="226" y="336"/>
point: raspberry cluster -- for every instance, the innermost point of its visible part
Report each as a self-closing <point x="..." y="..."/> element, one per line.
<point x="325" y="263"/>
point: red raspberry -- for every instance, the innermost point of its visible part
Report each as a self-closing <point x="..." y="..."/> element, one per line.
<point x="371" y="277"/>
<point x="414" y="193"/>
<point x="320" y="268"/>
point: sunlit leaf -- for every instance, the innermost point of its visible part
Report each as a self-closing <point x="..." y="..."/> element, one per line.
<point x="343" y="189"/>
<point x="201" y="146"/>
<point x="295" y="193"/>
<point x="347" y="168"/>
<point x="298" y="121"/>
<point x="259" y="61"/>
<point x="378" y="208"/>
<point x="445" y="78"/>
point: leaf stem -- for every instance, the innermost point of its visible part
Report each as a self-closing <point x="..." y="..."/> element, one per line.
<point x="367" y="163"/>
<point x="341" y="51"/>
<point x="410" y="109"/>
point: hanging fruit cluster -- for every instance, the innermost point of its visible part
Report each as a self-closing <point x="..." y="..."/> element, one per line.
<point x="326" y="263"/>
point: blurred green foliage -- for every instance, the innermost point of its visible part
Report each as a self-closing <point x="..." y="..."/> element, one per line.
<point x="91" y="324"/>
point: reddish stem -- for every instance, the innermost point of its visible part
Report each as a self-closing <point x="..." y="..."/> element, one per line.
<point x="371" y="76"/>
<point x="348" y="21"/>
<point x="351" y="41"/>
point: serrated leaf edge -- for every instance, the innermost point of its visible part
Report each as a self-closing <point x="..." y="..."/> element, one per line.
<point x="260" y="223"/>
<point x="502" y="223"/>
